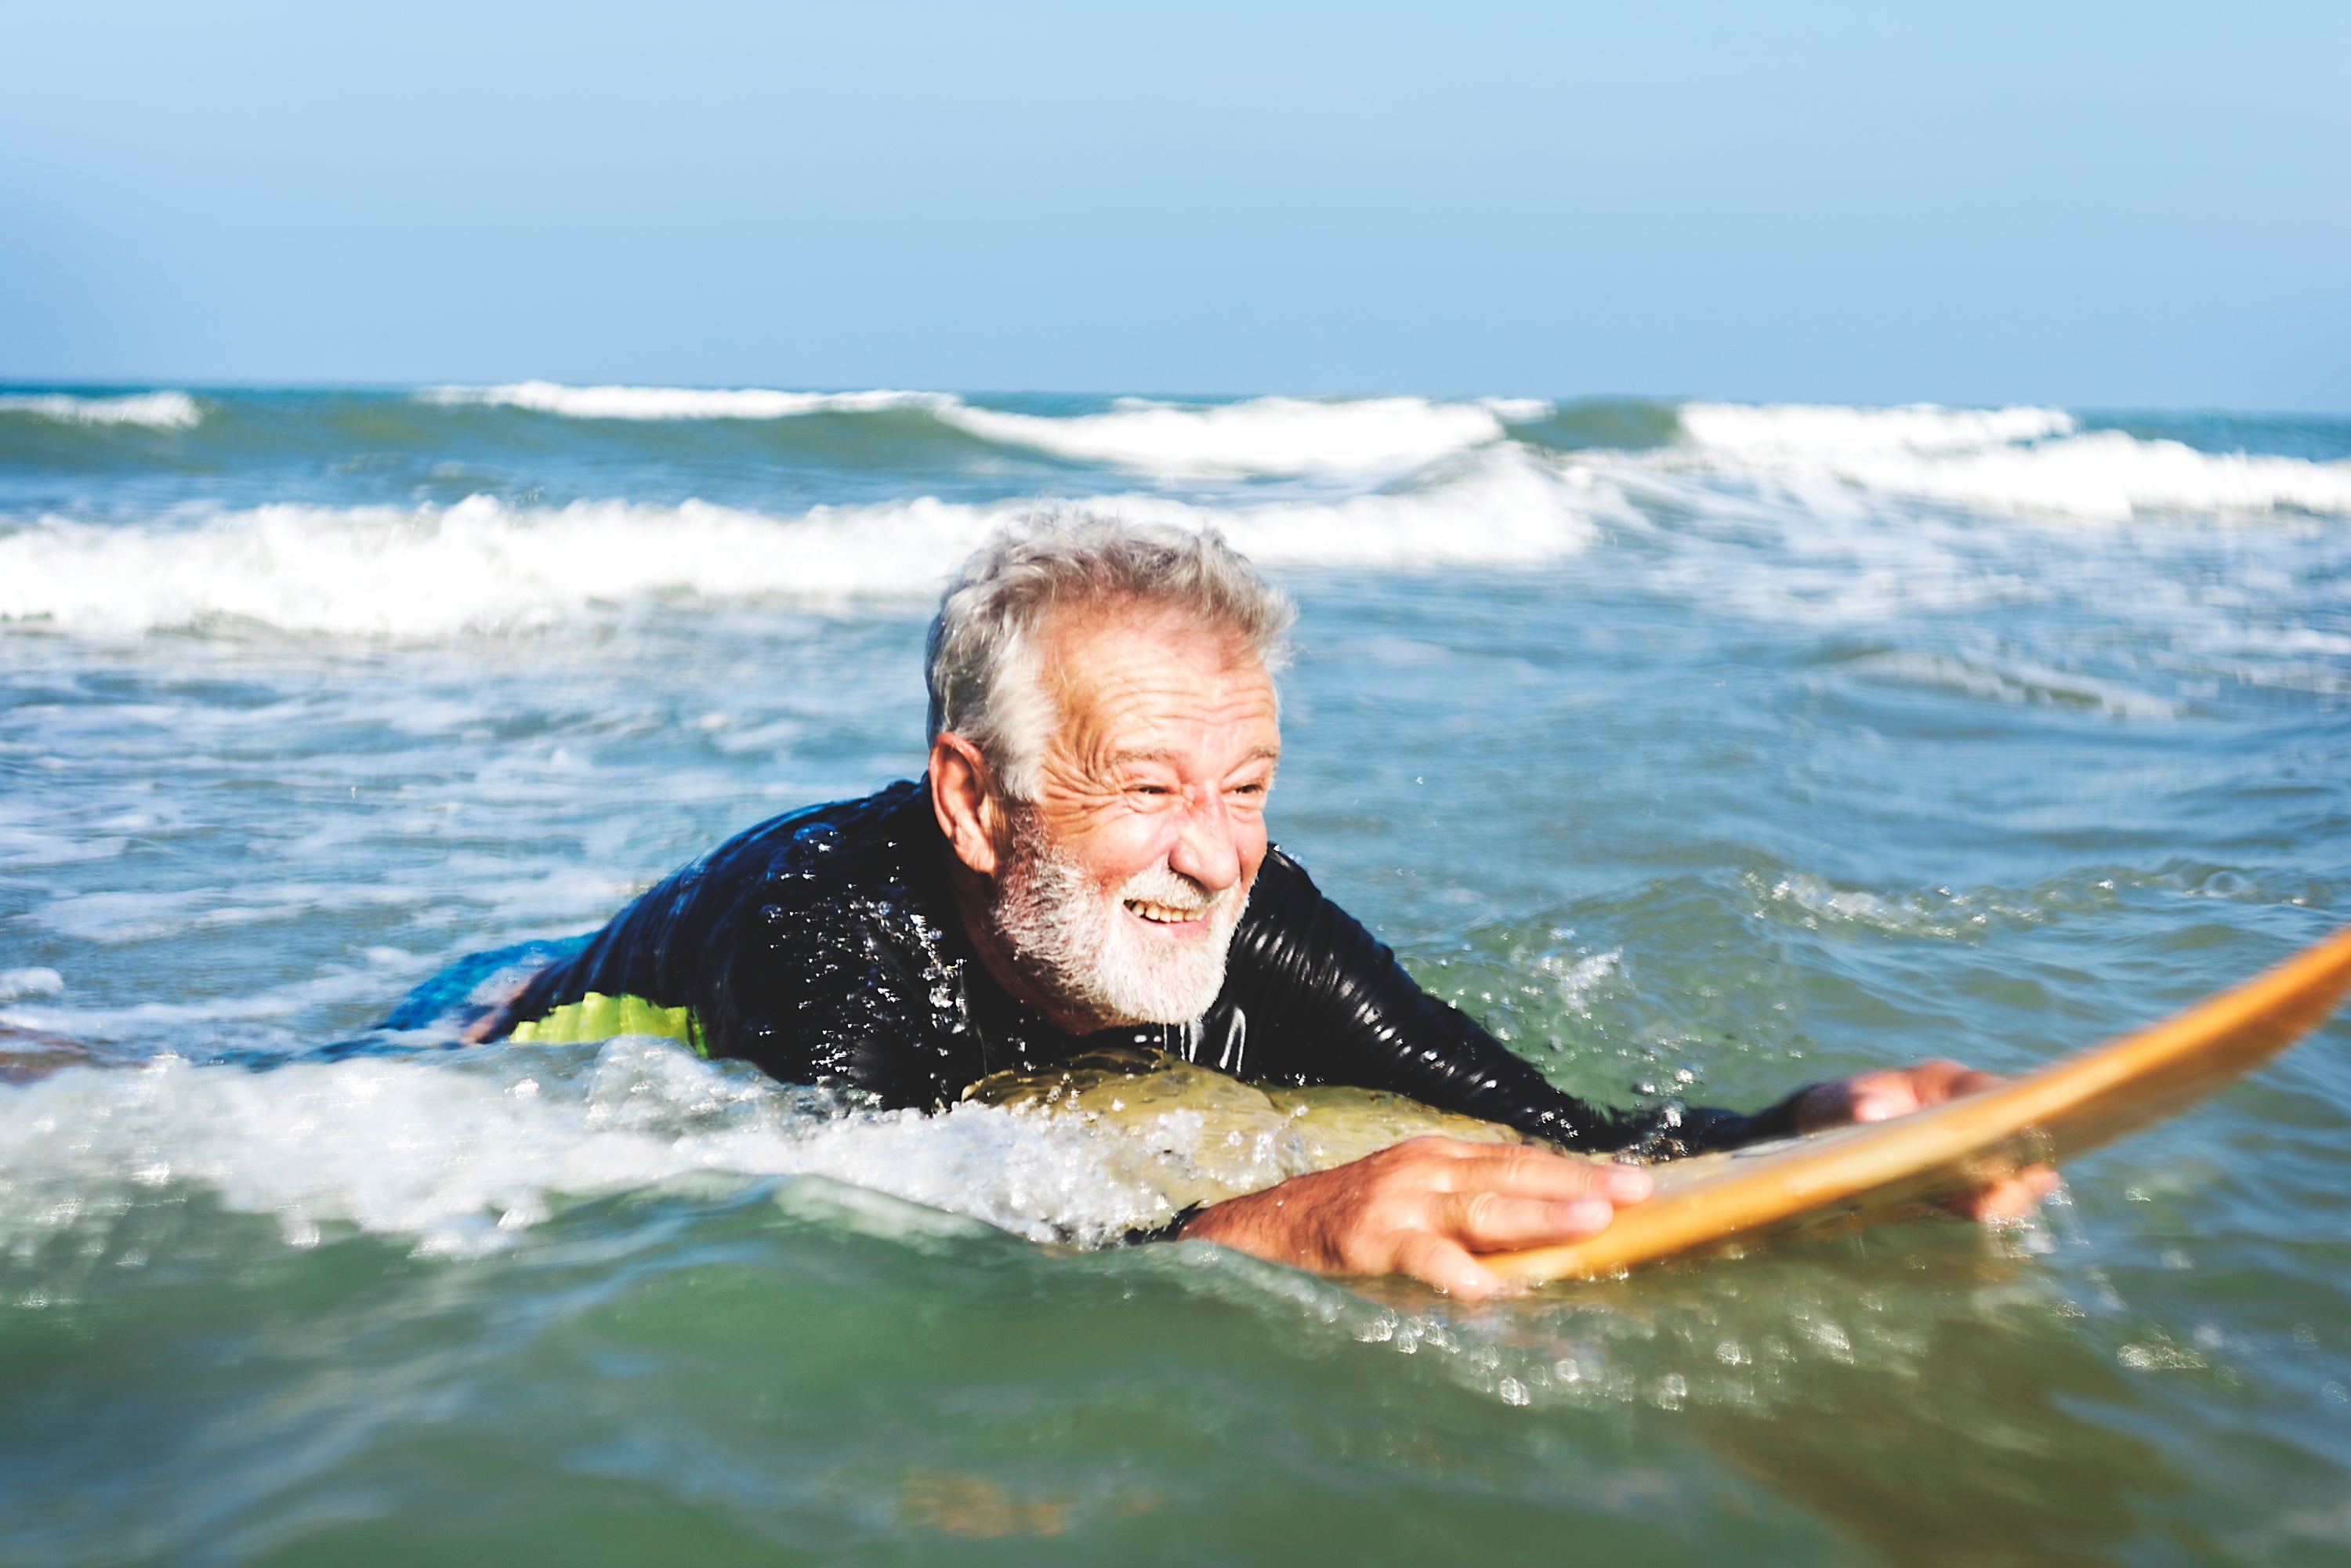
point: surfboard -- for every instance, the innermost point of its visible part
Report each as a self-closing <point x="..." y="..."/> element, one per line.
<point x="1880" y="1170"/>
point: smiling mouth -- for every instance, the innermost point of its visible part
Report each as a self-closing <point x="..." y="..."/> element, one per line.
<point x="1156" y="914"/>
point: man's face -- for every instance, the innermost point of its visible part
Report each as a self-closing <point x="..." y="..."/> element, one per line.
<point x="1125" y="875"/>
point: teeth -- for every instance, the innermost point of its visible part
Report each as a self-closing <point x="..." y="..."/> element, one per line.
<point x="1164" y="913"/>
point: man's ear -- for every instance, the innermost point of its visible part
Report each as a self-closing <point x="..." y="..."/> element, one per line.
<point x="963" y="797"/>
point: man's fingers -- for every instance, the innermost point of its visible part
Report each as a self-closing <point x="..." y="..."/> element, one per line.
<point x="1493" y="1222"/>
<point x="1529" y="1172"/>
<point x="1882" y="1096"/>
<point x="1934" y="1081"/>
<point x="2010" y="1197"/>
<point x="1434" y="1260"/>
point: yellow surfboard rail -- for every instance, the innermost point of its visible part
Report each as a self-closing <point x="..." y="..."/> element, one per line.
<point x="1879" y="1168"/>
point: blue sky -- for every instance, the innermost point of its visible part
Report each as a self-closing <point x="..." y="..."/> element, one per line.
<point x="2094" y="204"/>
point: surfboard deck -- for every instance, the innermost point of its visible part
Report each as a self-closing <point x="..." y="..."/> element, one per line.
<point x="1879" y="1170"/>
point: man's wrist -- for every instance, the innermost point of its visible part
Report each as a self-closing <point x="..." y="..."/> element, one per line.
<point x="1780" y="1119"/>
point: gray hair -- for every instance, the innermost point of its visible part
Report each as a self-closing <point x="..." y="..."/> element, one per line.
<point x="984" y="676"/>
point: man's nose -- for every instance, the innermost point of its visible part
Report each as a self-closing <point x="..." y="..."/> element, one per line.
<point x="1206" y="850"/>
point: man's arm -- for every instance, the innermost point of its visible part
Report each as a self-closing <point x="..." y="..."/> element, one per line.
<point x="1328" y="1003"/>
<point x="1342" y="1010"/>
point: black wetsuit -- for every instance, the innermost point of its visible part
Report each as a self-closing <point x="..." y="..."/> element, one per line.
<point x="824" y="947"/>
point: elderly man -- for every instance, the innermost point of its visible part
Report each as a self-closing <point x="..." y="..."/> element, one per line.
<point x="1086" y="860"/>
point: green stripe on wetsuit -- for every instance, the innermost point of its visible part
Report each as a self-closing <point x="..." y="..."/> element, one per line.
<point x="598" y="1016"/>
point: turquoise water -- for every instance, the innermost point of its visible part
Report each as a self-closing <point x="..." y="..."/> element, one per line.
<point x="1701" y="750"/>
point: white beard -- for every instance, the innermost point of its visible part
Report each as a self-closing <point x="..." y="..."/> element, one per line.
<point x="1077" y="943"/>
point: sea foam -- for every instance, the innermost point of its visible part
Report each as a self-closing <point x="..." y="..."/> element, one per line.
<point x="464" y="1151"/>
<point x="483" y="565"/>
<point x="1267" y="436"/>
<point x="674" y="402"/>
<point x="156" y="410"/>
<point x="2023" y="460"/>
<point x="1813" y="430"/>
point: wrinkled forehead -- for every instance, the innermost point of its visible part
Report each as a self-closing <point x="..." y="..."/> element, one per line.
<point x="1125" y="675"/>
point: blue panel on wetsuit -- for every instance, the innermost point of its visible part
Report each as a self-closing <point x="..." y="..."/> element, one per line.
<point x="449" y="1001"/>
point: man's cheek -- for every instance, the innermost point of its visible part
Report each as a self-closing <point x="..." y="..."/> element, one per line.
<point x="1121" y="849"/>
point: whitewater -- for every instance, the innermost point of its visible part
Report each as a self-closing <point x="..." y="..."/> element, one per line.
<point x="1370" y="482"/>
<point x="1699" y="749"/>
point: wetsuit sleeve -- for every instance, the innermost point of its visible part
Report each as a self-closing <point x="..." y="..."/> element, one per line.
<point x="1328" y="1003"/>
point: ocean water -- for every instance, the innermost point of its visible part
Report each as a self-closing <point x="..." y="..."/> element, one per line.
<point x="1701" y="750"/>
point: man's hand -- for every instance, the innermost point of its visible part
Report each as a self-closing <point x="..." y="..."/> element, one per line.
<point x="1882" y="1096"/>
<point x="1426" y="1207"/>
<point x="1422" y="1209"/>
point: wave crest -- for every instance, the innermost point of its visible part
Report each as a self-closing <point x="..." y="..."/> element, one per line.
<point x="464" y="1153"/>
<point x="1267" y="436"/>
<point x="1820" y="430"/>
<point x="2014" y="459"/>
<point x="483" y="565"/>
<point x="155" y="409"/>
<point x="674" y="402"/>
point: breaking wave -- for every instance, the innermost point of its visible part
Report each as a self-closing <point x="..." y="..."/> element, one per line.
<point x="463" y="1152"/>
<point x="2012" y="459"/>
<point x="1265" y="435"/>
<point x="2021" y="460"/>
<point x="674" y="402"/>
<point x="1813" y="430"/>
<point x="485" y="565"/>
<point x="155" y="409"/>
